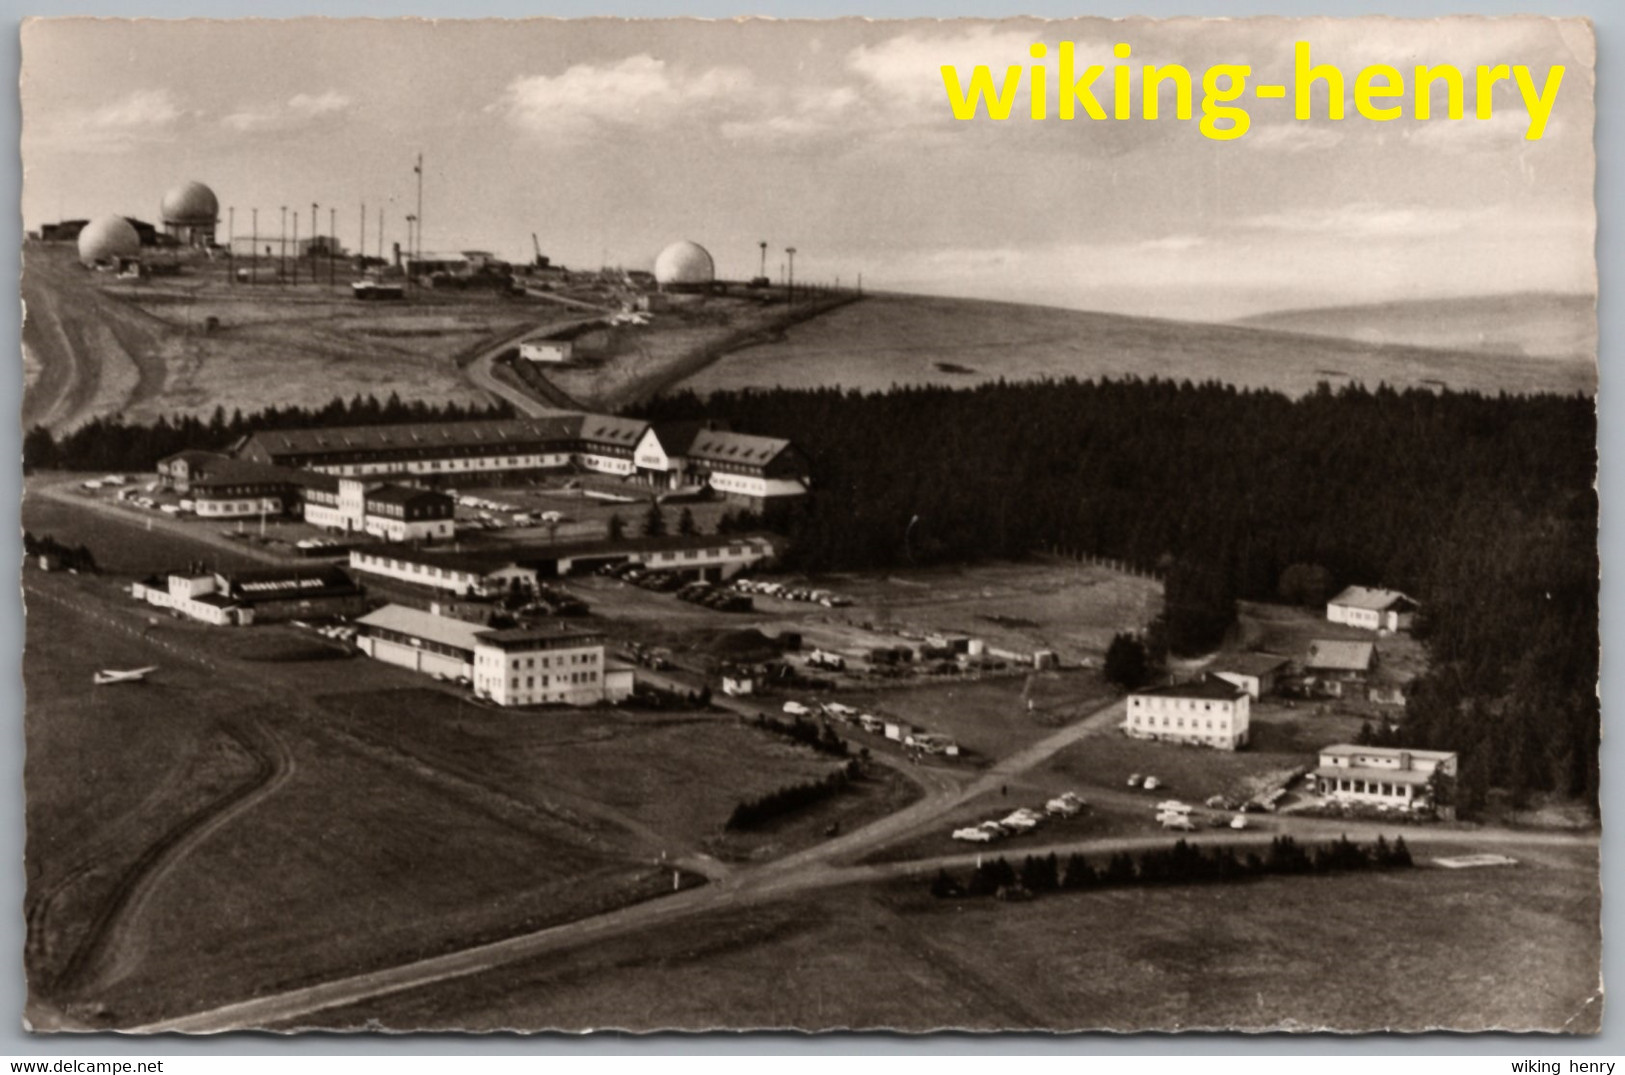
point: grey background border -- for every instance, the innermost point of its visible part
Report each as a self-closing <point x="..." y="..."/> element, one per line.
<point x="1609" y="21"/>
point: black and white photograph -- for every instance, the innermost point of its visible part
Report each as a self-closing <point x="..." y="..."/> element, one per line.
<point x="905" y="525"/>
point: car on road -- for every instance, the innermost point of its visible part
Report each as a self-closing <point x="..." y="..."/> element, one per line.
<point x="796" y="709"/>
<point x="1151" y="783"/>
<point x="1239" y="822"/>
<point x="1177" y="823"/>
<point x="975" y="835"/>
<point x="1067" y="804"/>
<point x="1134" y="780"/>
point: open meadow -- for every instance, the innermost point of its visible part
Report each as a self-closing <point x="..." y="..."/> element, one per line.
<point x="1512" y="948"/>
<point x="888" y="340"/>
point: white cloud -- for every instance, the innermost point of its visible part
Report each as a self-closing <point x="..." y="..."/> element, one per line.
<point x="907" y="70"/>
<point x="638" y="91"/>
<point x="321" y="105"/>
<point x="141" y="110"/>
<point x="1369" y="220"/>
<point x="142" y="117"/>
<point x="1503" y="132"/>
<point x="299" y="110"/>
<point x="1294" y="137"/>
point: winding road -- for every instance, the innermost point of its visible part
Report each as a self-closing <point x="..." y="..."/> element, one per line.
<point x="825" y="865"/>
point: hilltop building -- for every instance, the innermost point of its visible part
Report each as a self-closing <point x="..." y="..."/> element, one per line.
<point x="190" y="213"/>
<point x="685" y="266"/>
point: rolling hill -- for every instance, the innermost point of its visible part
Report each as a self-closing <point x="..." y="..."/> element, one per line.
<point x="890" y="340"/>
<point x="1535" y="324"/>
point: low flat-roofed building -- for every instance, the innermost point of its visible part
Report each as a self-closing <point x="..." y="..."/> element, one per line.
<point x="283" y="593"/>
<point x="488" y="572"/>
<point x="1210" y="712"/>
<point x="1373" y="608"/>
<point x="546" y="350"/>
<point x="1390" y="776"/>
<point x="196" y="595"/>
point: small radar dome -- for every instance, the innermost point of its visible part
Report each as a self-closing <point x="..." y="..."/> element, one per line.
<point x="108" y="238"/>
<point x="684" y="264"/>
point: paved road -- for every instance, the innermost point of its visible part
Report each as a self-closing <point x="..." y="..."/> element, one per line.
<point x="481" y="375"/>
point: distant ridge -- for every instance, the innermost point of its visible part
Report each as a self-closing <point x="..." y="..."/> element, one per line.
<point x="1535" y="324"/>
<point x="893" y="339"/>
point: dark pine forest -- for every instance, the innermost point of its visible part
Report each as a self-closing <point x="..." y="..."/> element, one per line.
<point x="1481" y="507"/>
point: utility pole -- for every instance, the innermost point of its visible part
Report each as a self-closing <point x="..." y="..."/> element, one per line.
<point x="231" y="247"/>
<point x="791" y="292"/>
<point x="282" y="257"/>
<point x="254" y="251"/>
<point x="296" y="247"/>
<point x="315" y="226"/>
<point x="332" y="241"/>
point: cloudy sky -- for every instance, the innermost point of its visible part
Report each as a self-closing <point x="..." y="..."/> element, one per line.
<point x="609" y="139"/>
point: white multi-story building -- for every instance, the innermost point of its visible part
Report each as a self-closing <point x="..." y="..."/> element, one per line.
<point x="391" y="512"/>
<point x="512" y="667"/>
<point x="1211" y="712"/>
<point x="1385" y="776"/>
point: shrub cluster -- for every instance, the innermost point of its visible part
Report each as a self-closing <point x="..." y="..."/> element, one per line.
<point x="753" y="812"/>
<point x="816" y="734"/>
<point x="1183" y="863"/>
<point x="77" y="557"/>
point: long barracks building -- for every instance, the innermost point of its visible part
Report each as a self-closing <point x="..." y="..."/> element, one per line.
<point x="659" y="455"/>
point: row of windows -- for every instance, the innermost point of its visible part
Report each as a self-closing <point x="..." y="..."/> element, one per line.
<point x="1151" y="722"/>
<point x="575" y="677"/>
<point x="1369" y="787"/>
<point x="1178" y="703"/>
<point x="564" y="659"/>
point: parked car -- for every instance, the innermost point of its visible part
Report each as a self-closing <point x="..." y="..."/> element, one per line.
<point x="977" y="835"/>
<point x="1151" y="783"/>
<point x="1177" y="823"/>
<point x="1134" y="780"/>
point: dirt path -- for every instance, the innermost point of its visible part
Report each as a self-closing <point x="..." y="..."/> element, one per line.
<point x="94" y="354"/>
<point x="105" y="952"/>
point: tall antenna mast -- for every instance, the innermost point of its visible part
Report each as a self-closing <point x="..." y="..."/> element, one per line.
<point x="419" y="170"/>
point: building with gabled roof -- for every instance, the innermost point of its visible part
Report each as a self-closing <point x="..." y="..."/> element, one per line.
<point x="1255" y="673"/>
<point x="1372" y="608"/>
<point x="666" y="455"/>
<point x="1209" y="712"/>
<point x="1340" y="657"/>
